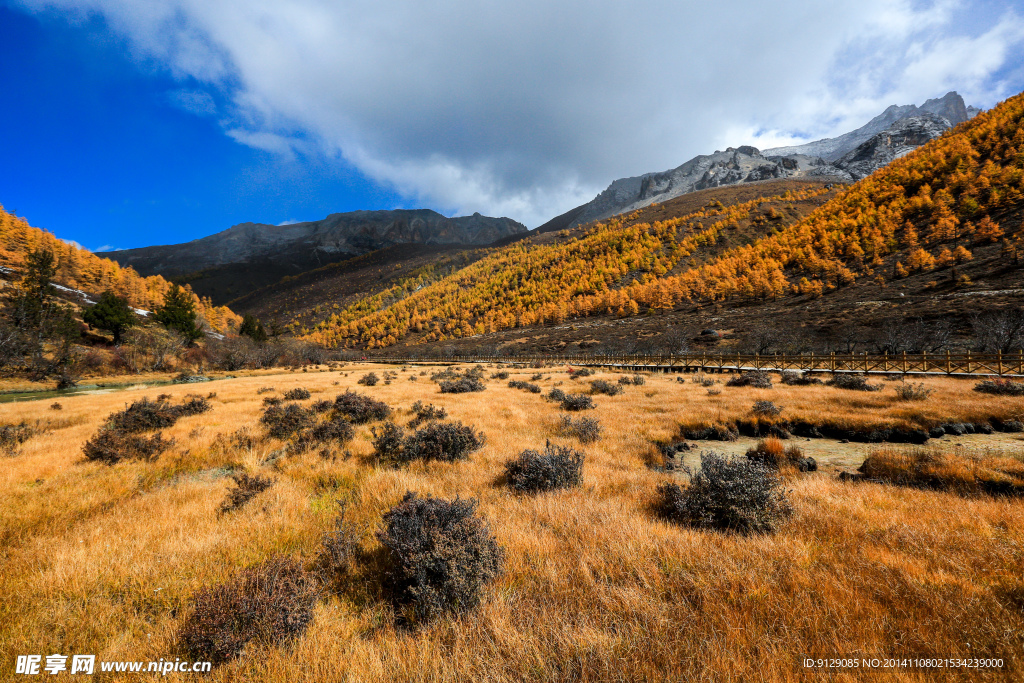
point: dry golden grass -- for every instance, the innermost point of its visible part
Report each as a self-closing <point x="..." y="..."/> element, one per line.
<point x="991" y="472"/>
<point x="104" y="560"/>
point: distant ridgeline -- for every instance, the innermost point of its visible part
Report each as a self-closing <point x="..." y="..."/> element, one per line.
<point x="923" y="211"/>
<point x="81" y="269"/>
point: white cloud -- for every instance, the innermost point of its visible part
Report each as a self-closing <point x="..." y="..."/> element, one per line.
<point x="195" y="101"/>
<point x="105" y="247"/>
<point x="527" y="108"/>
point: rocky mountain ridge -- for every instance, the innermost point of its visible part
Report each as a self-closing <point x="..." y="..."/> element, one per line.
<point x="300" y="246"/>
<point x="849" y="157"/>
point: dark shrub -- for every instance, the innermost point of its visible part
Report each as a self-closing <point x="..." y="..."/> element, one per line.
<point x="557" y="467"/>
<point x="537" y="377"/>
<point x="264" y="390"/>
<point x="636" y="380"/>
<point x="525" y="386"/>
<point x="194" y="405"/>
<point x="334" y="432"/>
<point x="111" y="446"/>
<point x="272" y="400"/>
<point x="370" y="379"/>
<point x="577" y="402"/>
<point x="766" y="409"/>
<point x="580" y="372"/>
<point x="296" y="394"/>
<point x="447" y="441"/>
<point x="853" y="382"/>
<point x="56" y="406"/>
<point x="758" y="380"/>
<point x="360" y="408"/>
<point x="556" y="394"/>
<point x="586" y="429"/>
<point x="599" y="386"/>
<point x="736" y="495"/>
<point x="447" y="373"/>
<point x="794" y="378"/>
<point x="267" y="604"/>
<point x="426" y="413"/>
<point x="246" y="488"/>
<point x="462" y="385"/>
<point x="322" y="406"/>
<point x="12" y="436"/>
<point x="1000" y="387"/>
<point x="144" y="415"/>
<point x="440" y="554"/>
<point x="387" y="442"/>
<point x="283" y="421"/>
<point x="339" y="546"/>
<point x="500" y="375"/>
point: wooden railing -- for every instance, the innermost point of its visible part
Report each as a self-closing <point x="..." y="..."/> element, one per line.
<point x="996" y="364"/>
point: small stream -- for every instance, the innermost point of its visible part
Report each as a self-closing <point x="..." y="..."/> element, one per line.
<point x="82" y="389"/>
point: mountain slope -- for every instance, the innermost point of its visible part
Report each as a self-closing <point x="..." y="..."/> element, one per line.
<point x="304" y="245"/>
<point x="917" y="215"/>
<point x="81" y="269"/>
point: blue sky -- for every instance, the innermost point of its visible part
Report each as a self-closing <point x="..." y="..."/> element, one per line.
<point x="98" y="149"/>
<point x="137" y="122"/>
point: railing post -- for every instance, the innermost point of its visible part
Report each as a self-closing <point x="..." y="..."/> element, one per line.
<point x="968" y="361"/>
<point x="949" y="366"/>
<point x="1000" y="362"/>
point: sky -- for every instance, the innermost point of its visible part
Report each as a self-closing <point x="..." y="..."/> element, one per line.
<point x="129" y="123"/>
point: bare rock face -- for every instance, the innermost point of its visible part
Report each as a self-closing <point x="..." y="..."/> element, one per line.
<point x="950" y="107"/>
<point x="851" y="156"/>
<point x="305" y="245"/>
<point x="900" y="139"/>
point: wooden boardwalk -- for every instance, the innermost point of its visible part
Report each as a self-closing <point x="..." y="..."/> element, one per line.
<point x="952" y="364"/>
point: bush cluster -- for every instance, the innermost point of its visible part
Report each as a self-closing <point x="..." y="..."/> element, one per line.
<point x="794" y="378"/>
<point x="446" y="441"/>
<point x="599" y="386"/>
<point x="577" y="402"/>
<point x="283" y="421"/>
<point x="359" y="408"/>
<point x="370" y="379"/>
<point x="267" y="604"/>
<point x="426" y="413"/>
<point x="440" y="555"/>
<point x="112" y="446"/>
<point x="144" y="415"/>
<point x="756" y="379"/>
<point x="766" y="409"/>
<point x="297" y="394"/>
<point x="556" y="394"/>
<point x="580" y="372"/>
<point x="503" y="374"/>
<point x="853" y="382"/>
<point x="246" y="488"/>
<point x="555" y="468"/>
<point x="586" y="429"/>
<point x="333" y="431"/>
<point x="13" y="435"/>
<point x="526" y="386"/>
<point x="735" y="495"/>
<point x="1000" y="387"/>
<point x="462" y="385"/>
<point x="635" y="380"/>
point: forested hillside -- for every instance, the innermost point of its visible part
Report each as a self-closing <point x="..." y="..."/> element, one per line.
<point x="81" y="269"/>
<point x="923" y="212"/>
